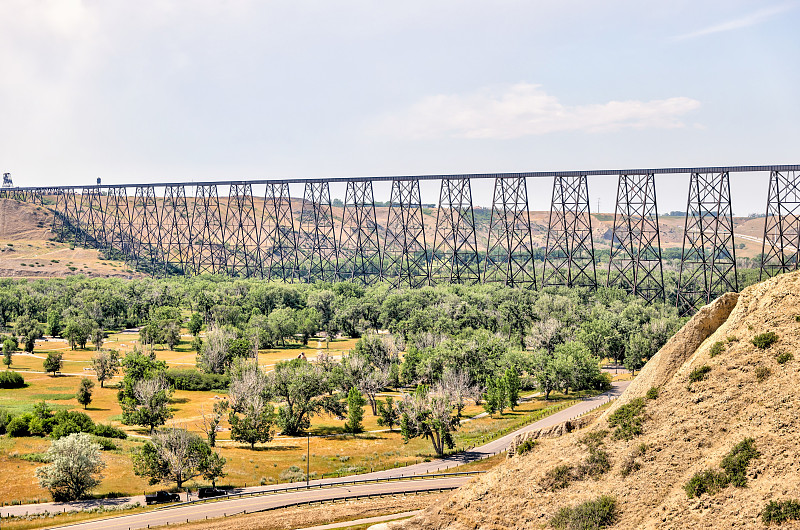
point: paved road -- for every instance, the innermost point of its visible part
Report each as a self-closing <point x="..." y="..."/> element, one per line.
<point x="440" y="465"/>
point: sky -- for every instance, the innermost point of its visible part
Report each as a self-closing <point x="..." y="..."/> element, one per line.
<point x="153" y="91"/>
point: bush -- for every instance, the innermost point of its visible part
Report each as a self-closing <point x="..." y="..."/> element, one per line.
<point x="784" y="357"/>
<point x="652" y="393"/>
<point x="762" y="372"/>
<point x="708" y="481"/>
<point x="109" y="431"/>
<point x="106" y="444"/>
<point x="596" y="464"/>
<point x="698" y="374"/>
<point x="590" y="515"/>
<point x="69" y="422"/>
<point x="19" y="426"/>
<point x="735" y="463"/>
<point x="628" y="420"/>
<point x="558" y="478"/>
<point x="292" y="474"/>
<point x="781" y="511"/>
<point x="5" y="417"/>
<point x="717" y="348"/>
<point x="526" y="446"/>
<point x="197" y="380"/>
<point x="11" y="380"/>
<point x="630" y="464"/>
<point x="765" y="340"/>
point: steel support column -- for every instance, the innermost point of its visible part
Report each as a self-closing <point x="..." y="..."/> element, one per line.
<point x="635" y="260"/>
<point x="405" y="252"/>
<point x="708" y="260"/>
<point x="455" y="247"/>
<point x="278" y="237"/>
<point x="242" y="241"/>
<point x="117" y="225"/>
<point x="176" y="228"/>
<point x="90" y="219"/>
<point x="208" y="250"/>
<point x="779" y="249"/>
<point x="569" y="252"/>
<point x="359" y="245"/>
<point x="146" y="228"/>
<point x="509" y="247"/>
<point x="317" y="252"/>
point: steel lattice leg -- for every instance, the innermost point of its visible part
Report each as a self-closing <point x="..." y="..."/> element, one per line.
<point x="278" y="236"/>
<point x="509" y="248"/>
<point x="782" y="224"/>
<point x="635" y="261"/>
<point x="208" y="250"/>
<point x="569" y="253"/>
<point x="708" y="261"/>
<point x="455" y="248"/>
<point x="405" y="256"/>
<point x="359" y="245"/>
<point x="243" y="243"/>
<point x="317" y="243"/>
<point x="176" y="230"/>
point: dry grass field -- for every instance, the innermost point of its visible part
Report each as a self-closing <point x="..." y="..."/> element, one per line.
<point x="331" y="451"/>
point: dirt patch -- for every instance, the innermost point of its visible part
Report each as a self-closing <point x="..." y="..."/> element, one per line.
<point x="686" y="429"/>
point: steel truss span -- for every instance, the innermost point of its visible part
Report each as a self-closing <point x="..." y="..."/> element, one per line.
<point x="256" y="229"/>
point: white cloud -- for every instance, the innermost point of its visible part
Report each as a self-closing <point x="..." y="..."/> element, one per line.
<point x="525" y="109"/>
<point x="750" y="19"/>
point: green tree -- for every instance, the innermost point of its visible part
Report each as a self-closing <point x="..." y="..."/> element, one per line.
<point x="84" y="395"/>
<point x="77" y="332"/>
<point x="145" y="394"/>
<point x="9" y="347"/>
<point x="304" y="390"/>
<point x="54" y="322"/>
<point x="355" y="411"/>
<point x="106" y="365"/>
<point x="636" y="352"/>
<point x="28" y="330"/>
<point x="53" y="362"/>
<point x="388" y="414"/>
<point x="195" y="324"/>
<point x="282" y="323"/>
<point x="173" y="455"/>
<point x="74" y="469"/>
<point x="495" y="395"/>
<point x="254" y="425"/>
<point x="308" y="322"/>
<point x="512" y="385"/>
<point x="212" y="467"/>
<point x="428" y="415"/>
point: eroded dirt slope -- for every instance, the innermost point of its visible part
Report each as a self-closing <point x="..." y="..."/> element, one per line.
<point x="688" y="428"/>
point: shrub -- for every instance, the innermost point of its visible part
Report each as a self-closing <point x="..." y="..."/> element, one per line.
<point x="558" y="478"/>
<point x="69" y="422"/>
<point x="765" y="340"/>
<point x="708" y="481"/>
<point x="780" y="511"/>
<point x="196" y="380"/>
<point x="628" y="420"/>
<point x="40" y="458"/>
<point x="784" y="357"/>
<point x="109" y="431"/>
<point x="735" y="463"/>
<point x="19" y="426"/>
<point x="590" y="515"/>
<point x="526" y="446"/>
<point x="106" y="444"/>
<point x="630" y="464"/>
<point x="717" y="348"/>
<point x="593" y="439"/>
<point x="292" y="474"/>
<point x="698" y="374"/>
<point x="652" y="393"/>
<point x="762" y="372"/>
<point x="11" y="380"/>
<point x="596" y="464"/>
<point x="5" y="417"/>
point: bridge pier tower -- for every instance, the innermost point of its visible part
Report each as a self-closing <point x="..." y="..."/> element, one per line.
<point x="509" y="247"/>
<point x="635" y="260"/>
<point x="708" y="259"/>
<point x="782" y="225"/>
<point x="455" y="256"/>
<point x="359" y="244"/>
<point x="405" y="252"/>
